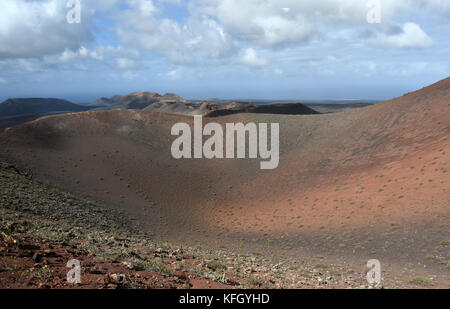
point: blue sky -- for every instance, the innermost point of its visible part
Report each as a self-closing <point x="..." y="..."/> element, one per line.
<point x="230" y="49"/>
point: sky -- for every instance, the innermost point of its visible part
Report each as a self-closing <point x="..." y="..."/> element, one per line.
<point x="228" y="49"/>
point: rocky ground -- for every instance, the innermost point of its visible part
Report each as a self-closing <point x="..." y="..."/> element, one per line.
<point x="42" y="228"/>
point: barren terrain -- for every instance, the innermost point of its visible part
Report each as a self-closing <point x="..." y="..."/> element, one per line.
<point x="351" y="186"/>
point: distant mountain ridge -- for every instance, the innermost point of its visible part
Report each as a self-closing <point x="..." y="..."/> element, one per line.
<point x="136" y="100"/>
<point x="174" y="104"/>
<point x="142" y="100"/>
<point x="105" y="102"/>
<point x="16" y="111"/>
<point x="13" y="107"/>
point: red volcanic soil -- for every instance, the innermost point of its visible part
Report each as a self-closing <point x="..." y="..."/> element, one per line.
<point x="351" y="186"/>
<point x="51" y="271"/>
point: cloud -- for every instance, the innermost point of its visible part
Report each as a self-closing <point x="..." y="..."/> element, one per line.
<point x="126" y="64"/>
<point x="71" y="56"/>
<point x="32" y="28"/>
<point x="142" y="26"/>
<point x="251" y="58"/>
<point x="174" y="74"/>
<point x="263" y="23"/>
<point x="409" y="36"/>
<point x="442" y="6"/>
<point x="276" y="30"/>
<point x="284" y="23"/>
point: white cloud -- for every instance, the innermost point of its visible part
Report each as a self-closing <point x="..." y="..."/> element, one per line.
<point x="143" y="26"/>
<point x="263" y="23"/>
<point x="411" y="35"/>
<point x="81" y="53"/>
<point x="251" y="58"/>
<point x="32" y="28"/>
<point x="174" y="74"/>
<point x="125" y="64"/>
<point x="289" y="22"/>
<point x="276" y="30"/>
<point x="441" y="5"/>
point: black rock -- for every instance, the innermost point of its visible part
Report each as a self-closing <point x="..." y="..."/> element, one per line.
<point x="37" y="257"/>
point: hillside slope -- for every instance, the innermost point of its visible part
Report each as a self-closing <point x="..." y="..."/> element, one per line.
<point x="351" y="185"/>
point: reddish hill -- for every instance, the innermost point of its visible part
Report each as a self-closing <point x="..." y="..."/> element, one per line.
<point x="349" y="184"/>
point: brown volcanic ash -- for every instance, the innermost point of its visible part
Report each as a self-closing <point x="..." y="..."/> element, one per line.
<point x="368" y="170"/>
